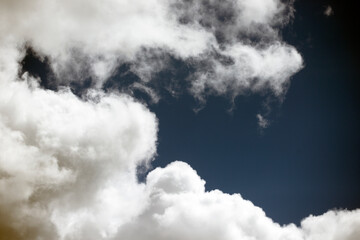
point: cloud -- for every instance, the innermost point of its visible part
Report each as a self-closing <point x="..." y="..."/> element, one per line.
<point x="61" y="155"/>
<point x="68" y="164"/>
<point x="328" y="11"/>
<point x="180" y="208"/>
<point x="262" y="122"/>
<point x="233" y="46"/>
<point x="70" y="167"/>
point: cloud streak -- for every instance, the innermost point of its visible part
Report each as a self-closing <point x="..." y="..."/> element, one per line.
<point x="68" y="164"/>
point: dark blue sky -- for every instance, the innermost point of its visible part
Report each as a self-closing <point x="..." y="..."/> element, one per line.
<point x="307" y="161"/>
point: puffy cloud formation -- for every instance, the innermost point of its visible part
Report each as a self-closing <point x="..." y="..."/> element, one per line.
<point x="233" y="46"/>
<point x="68" y="171"/>
<point x="180" y="208"/>
<point x="62" y="158"/>
<point x="68" y="164"/>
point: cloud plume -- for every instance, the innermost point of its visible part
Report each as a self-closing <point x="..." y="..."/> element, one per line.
<point x="68" y="164"/>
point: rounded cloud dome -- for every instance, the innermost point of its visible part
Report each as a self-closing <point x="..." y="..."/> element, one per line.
<point x="177" y="177"/>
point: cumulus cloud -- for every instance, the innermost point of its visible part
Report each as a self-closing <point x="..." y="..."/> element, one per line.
<point x="68" y="164"/>
<point x="61" y="155"/>
<point x="180" y="208"/>
<point x="68" y="171"/>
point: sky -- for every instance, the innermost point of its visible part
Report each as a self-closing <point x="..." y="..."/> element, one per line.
<point x="307" y="160"/>
<point x="179" y="120"/>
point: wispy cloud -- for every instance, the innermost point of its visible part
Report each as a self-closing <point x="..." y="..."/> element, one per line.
<point x="233" y="46"/>
<point x="262" y="122"/>
<point x="328" y="11"/>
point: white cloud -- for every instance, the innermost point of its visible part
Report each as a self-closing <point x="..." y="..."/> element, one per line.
<point x="336" y="225"/>
<point x="60" y="156"/>
<point x="180" y="208"/>
<point x="68" y="165"/>
<point x="68" y="172"/>
<point x="253" y="70"/>
<point x="90" y="38"/>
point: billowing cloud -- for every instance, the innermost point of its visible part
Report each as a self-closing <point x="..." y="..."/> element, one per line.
<point x="68" y="164"/>
<point x="61" y="155"/>
<point x="180" y="208"/>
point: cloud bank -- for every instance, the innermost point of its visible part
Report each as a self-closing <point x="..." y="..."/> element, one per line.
<point x="68" y="164"/>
